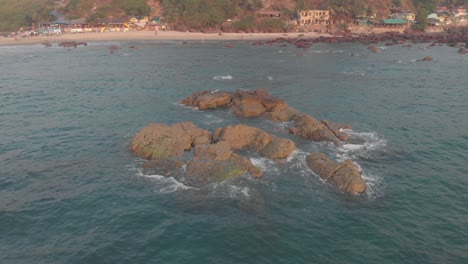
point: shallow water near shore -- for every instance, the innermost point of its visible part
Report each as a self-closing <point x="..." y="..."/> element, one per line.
<point x="71" y="192"/>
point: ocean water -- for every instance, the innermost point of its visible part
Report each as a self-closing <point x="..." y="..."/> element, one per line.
<point x="71" y="192"/>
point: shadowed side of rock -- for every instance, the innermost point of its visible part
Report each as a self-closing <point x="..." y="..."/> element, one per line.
<point x="345" y="175"/>
<point x="216" y="163"/>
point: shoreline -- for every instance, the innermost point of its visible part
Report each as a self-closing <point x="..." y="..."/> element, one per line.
<point x="150" y="35"/>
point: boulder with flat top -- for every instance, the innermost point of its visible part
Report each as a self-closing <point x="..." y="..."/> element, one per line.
<point x="156" y="141"/>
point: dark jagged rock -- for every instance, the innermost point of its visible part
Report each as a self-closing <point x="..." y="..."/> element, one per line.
<point x="345" y="176"/>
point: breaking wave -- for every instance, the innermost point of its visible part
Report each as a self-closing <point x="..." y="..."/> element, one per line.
<point x="220" y="77"/>
<point x="164" y="184"/>
<point x="361" y="144"/>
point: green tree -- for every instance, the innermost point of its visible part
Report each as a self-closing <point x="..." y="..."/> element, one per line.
<point x="133" y="7"/>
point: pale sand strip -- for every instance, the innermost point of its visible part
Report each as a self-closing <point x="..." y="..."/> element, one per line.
<point x="150" y="35"/>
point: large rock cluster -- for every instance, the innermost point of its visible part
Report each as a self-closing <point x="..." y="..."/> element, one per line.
<point x="214" y="157"/>
<point x="261" y="103"/>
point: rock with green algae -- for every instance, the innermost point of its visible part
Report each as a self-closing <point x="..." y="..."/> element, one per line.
<point x="157" y="141"/>
<point x="217" y="163"/>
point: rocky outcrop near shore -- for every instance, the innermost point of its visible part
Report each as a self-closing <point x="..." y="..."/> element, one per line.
<point x="345" y="175"/>
<point x="261" y="103"/>
<point x="213" y="160"/>
<point x="450" y="37"/>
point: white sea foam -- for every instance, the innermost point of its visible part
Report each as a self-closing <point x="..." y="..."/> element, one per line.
<point x="374" y="185"/>
<point x="164" y="184"/>
<point x="264" y="164"/>
<point x="211" y="119"/>
<point x="360" y="144"/>
<point x="220" y="77"/>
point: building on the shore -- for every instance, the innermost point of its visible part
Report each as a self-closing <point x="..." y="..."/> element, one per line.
<point x="314" y="17"/>
<point x="395" y="22"/>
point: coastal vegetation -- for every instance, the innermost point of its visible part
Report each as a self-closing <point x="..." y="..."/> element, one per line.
<point x="240" y="15"/>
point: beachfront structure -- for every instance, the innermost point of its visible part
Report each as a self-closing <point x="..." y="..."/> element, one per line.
<point x="314" y="17"/>
<point x="395" y="22"/>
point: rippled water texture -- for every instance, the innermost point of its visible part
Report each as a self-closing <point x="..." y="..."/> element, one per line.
<point x="70" y="191"/>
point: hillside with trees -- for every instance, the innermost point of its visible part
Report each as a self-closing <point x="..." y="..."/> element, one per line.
<point x="204" y="14"/>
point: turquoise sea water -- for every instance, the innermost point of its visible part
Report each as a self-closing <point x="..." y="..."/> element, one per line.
<point x="70" y="191"/>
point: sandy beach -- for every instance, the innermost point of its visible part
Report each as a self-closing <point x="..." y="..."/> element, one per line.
<point x="150" y="35"/>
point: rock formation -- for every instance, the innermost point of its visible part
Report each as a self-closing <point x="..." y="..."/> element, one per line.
<point x="374" y="49"/>
<point x="427" y="58"/>
<point x="208" y="100"/>
<point x="261" y="103"/>
<point x="216" y="163"/>
<point x="157" y="141"/>
<point x="242" y="136"/>
<point x="345" y="176"/>
<point x="213" y="159"/>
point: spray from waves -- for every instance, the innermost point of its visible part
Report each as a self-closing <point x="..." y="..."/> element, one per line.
<point x="164" y="184"/>
<point x="220" y="77"/>
<point x="264" y="164"/>
<point x="227" y="189"/>
<point x="361" y="144"/>
<point x="211" y="119"/>
<point x="374" y="185"/>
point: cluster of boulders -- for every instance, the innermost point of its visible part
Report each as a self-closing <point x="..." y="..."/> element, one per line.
<point x="457" y="37"/>
<point x="261" y="103"/>
<point x="74" y="44"/>
<point x="214" y="157"/>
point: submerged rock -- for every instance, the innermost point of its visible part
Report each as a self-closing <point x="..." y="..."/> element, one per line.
<point x="374" y="49"/>
<point x="345" y="175"/>
<point x="427" y="58"/>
